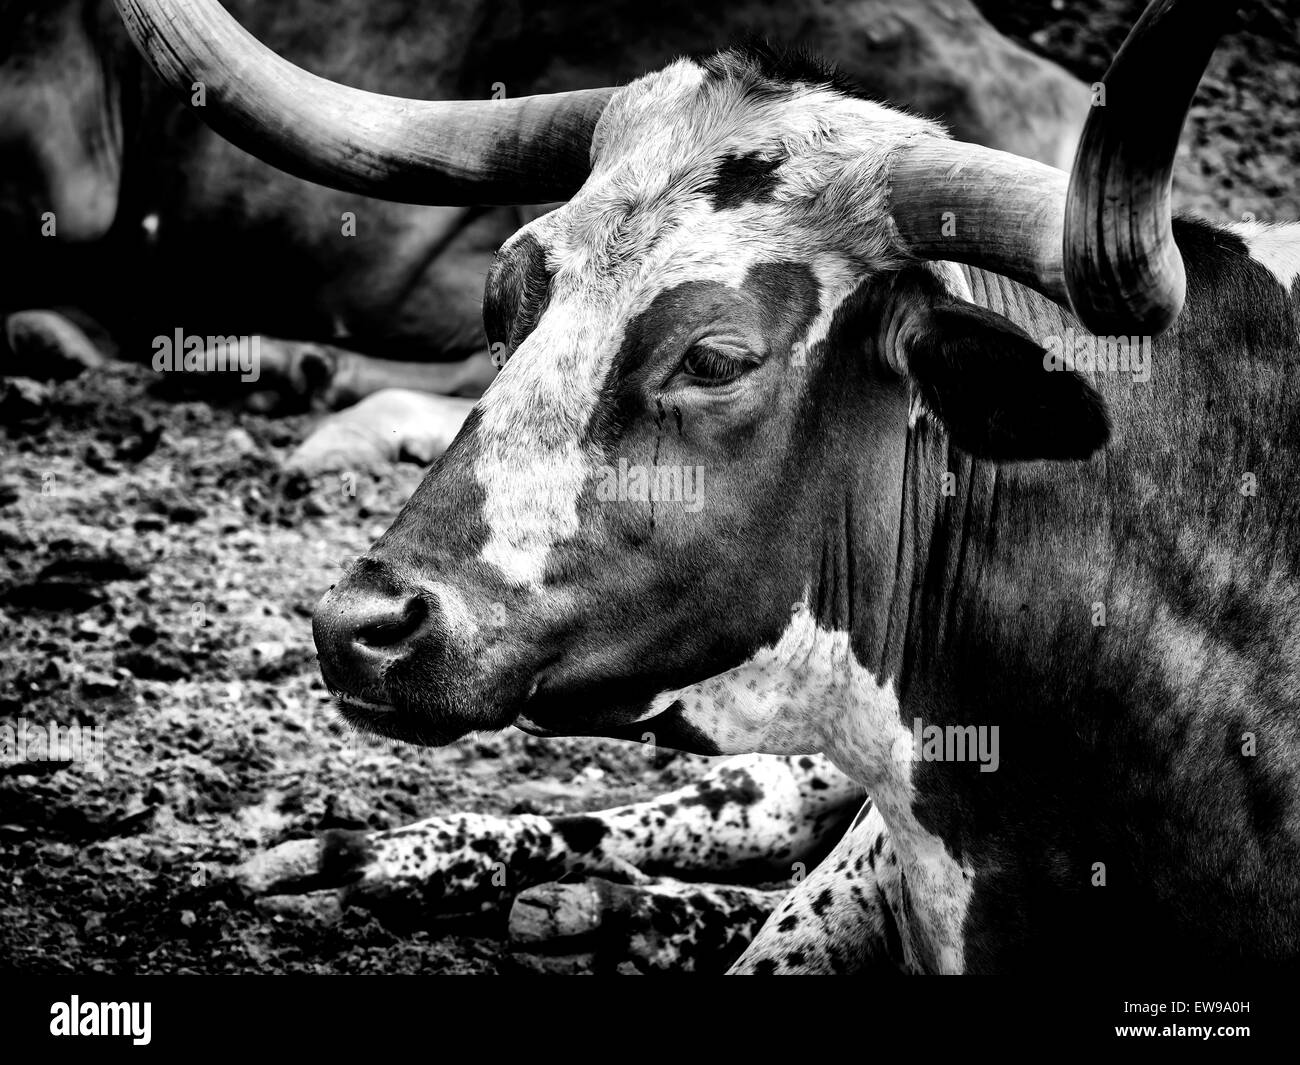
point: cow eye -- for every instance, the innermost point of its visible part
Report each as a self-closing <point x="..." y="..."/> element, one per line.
<point x="717" y="362"/>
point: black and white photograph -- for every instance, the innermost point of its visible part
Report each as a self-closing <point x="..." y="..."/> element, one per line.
<point x="553" y="488"/>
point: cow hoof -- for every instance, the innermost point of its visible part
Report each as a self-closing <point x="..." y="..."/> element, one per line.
<point x="47" y="346"/>
<point x="389" y="426"/>
<point x="282" y="869"/>
<point x="620" y="869"/>
<point x="663" y="925"/>
<point x="302" y="373"/>
<point x="334" y="859"/>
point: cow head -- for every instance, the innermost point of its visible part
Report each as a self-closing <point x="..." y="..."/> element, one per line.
<point x="60" y="121"/>
<point x="712" y="354"/>
<point x="677" y="509"/>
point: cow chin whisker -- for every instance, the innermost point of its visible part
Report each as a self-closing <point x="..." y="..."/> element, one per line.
<point x="392" y="724"/>
<point x="352" y="702"/>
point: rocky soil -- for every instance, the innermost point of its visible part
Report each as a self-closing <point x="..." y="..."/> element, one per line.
<point x="157" y="580"/>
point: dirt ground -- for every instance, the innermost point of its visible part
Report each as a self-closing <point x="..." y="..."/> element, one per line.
<point x="157" y="578"/>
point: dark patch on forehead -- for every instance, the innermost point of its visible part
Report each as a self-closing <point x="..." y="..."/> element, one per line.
<point x="741" y="179"/>
<point x="517" y="291"/>
<point x="788" y="293"/>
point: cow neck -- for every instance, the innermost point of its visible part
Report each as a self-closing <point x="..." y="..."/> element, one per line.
<point x="956" y="507"/>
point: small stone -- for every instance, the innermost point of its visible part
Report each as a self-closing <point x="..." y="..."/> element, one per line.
<point x="269" y="650"/>
<point x="238" y="442"/>
<point x="141" y="446"/>
<point x="321" y="906"/>
<point x="100" y="684"/>
<point x="343" y="811"/>
<point x="22" y="400"/>
<point x="556" y="964"/>
<point x="97" y="457"/>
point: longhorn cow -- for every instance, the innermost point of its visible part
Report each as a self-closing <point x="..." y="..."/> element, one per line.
<point x="920" y="516"/>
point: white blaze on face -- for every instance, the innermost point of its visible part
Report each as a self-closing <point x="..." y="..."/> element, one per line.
<point x="1275" y="247"/>
<point x="532" y="466"/>
<point x="808" y="693"/>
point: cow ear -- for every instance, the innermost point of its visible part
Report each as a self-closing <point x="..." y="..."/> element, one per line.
<point x="986" y="380"/>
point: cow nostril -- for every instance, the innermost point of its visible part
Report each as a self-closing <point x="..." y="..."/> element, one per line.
<point x="394" y="624"/>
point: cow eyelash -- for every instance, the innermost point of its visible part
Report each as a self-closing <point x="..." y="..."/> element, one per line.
<point x="717" y="364"/>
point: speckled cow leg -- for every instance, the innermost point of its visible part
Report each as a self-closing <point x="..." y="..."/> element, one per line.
<point x="751" y="817"/>
<point x="841" y="918"/>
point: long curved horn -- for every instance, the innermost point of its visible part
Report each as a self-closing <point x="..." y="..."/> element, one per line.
<point x="533" y="149"/>
<point x="1121" y="263"/>
<point x="1099" y="241"/>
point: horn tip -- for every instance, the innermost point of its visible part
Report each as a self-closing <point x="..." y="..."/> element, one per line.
<point x="1130" y="316"/>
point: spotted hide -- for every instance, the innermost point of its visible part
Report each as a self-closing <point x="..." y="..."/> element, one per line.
<point x="751" y="821"/>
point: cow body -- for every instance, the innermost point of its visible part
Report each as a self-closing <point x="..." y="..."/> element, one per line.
<point x="217" y="242"/>
<point x="1109" y="715"/>
<point x="904" y="567"/>
<point x="1146" y="789"/>
<point x="1169" y="731"/>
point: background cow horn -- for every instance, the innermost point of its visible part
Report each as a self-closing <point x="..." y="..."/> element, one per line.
<point x="1100" y="241"/>
<point x="533" y="149"/>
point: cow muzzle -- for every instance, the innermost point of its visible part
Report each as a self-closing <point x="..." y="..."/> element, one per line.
<point x="400" y="667"/>
<point x="366" y="627"/>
